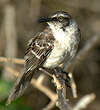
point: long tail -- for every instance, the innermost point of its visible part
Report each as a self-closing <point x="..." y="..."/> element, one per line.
<point x="20" y="86"/>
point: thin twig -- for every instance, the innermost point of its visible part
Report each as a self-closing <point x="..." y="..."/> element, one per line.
<point x="50" y="105"/>
<point x="44" y="89"/>
<point x="12" y="60"/>
<point x="82" y="103"/>
<point x="73" y="85"/>
<point x="41" y="78"/>
<point x="82" y="55"/>
<point x="44" y="71"/>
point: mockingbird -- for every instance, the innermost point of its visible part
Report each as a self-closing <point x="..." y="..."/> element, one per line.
<point x="57" y="44"/>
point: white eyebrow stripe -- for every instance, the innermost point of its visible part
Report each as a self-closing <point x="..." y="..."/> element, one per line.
<point x="59" y="15"/>
<point x="54" y="16"/>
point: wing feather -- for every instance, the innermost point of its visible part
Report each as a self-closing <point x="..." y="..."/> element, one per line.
<point x="38" y="50"/>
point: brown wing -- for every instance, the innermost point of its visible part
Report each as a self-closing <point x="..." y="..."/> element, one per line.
<point x="38" y="50"/>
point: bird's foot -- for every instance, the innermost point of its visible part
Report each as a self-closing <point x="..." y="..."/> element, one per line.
<point x="62" y="75"/>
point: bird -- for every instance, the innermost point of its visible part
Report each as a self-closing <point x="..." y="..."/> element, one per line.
<point x="57" y="44"/>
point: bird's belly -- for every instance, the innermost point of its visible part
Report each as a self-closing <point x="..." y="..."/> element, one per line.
<point x="56" y="57"/>
<point x="60" y="55"/>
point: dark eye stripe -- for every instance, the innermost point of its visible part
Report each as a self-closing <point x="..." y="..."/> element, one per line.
<point x="66" y="19"/>
<point x="54" y="19"/>
<point x="57" y="19"/>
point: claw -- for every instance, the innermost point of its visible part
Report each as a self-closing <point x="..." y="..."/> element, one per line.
<point x="62" y="75"/>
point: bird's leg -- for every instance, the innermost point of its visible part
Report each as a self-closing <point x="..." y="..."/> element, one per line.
<point x="60" y="74"/>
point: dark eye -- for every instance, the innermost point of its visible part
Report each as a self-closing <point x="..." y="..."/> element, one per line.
<point x="60" y="18"/>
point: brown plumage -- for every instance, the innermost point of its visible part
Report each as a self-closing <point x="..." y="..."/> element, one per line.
<point x="56" y="45"/>
<point x="37" y="52"/>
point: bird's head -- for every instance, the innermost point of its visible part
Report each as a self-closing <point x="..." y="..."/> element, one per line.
<point x="59" y="20"/>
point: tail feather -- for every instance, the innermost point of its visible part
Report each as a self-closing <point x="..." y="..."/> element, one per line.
<point x="20" y="86"/>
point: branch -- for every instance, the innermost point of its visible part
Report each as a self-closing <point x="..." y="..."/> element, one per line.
<point x="50" y="105"/>
<point x="73" y="85"/>
<point x="36" y="84"/>
<point x="83" y="53"/>
<point x="82" y="103"/>
<point x="12" y="60"/>
<point x="62" y="103"/>
<point x="41" y="78"/>
<point x="90" y="45"/>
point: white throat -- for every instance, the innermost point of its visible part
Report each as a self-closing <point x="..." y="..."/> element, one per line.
<point x="65" y="38"/>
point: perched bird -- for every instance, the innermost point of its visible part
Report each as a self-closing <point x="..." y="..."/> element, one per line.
<point x="57" y="44"/>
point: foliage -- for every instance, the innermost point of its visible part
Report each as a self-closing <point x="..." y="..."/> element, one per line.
<point x="5" y="88"/>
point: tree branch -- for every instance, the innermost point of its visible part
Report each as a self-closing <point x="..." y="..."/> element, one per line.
<point x="12" y="60"/>
<point x="83" y="102"/>
<point x="36" y="84"/>
<point x="62" y="103"/>
<point x="73" y="85"/>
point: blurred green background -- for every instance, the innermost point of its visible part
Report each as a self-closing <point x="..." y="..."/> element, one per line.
<point x="18" y="23"/>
